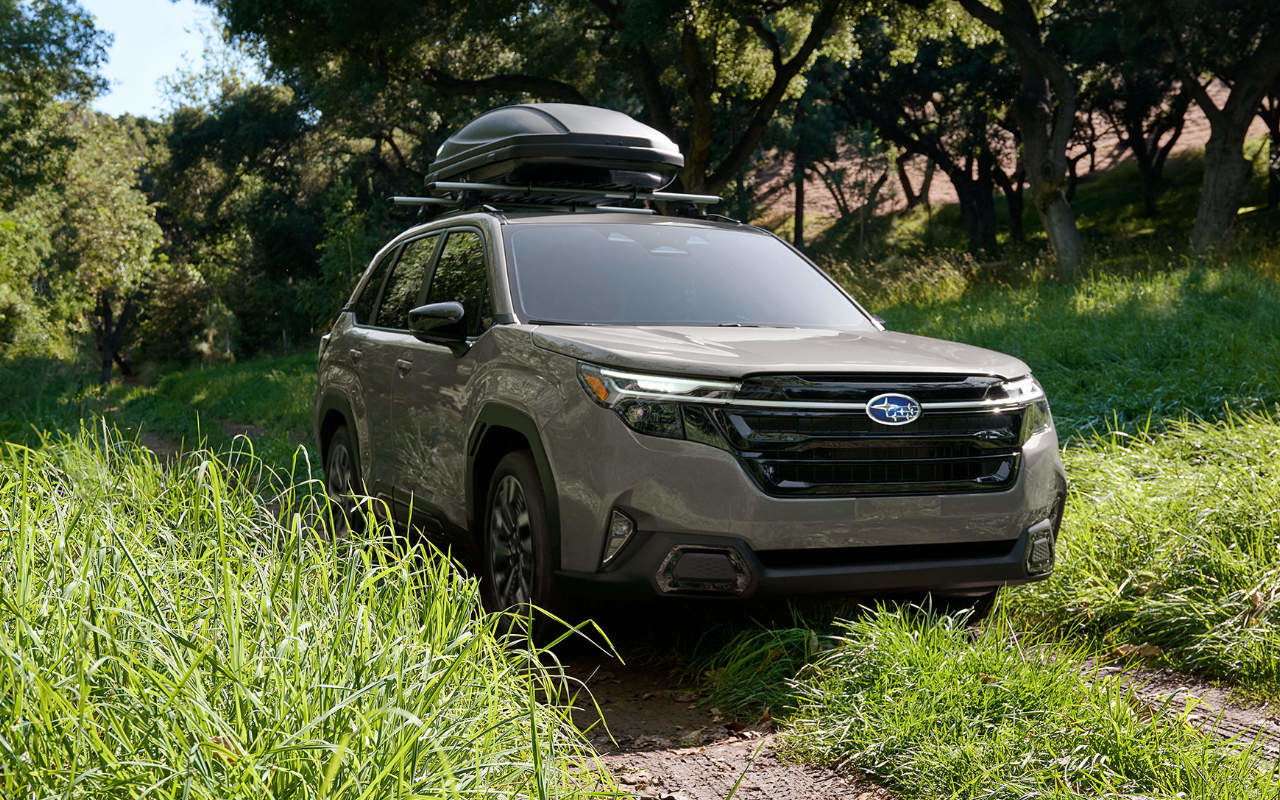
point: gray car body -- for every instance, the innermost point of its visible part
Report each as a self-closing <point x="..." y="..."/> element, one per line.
<point x="429" y="419"/>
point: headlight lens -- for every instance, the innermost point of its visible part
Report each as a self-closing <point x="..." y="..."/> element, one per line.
<point x="1037" y="417"/>
<point x="650" y="404"/>
<point x="1019" y="390"/>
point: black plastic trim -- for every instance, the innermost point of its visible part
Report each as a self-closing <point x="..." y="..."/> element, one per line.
<point x="497" y="415"/>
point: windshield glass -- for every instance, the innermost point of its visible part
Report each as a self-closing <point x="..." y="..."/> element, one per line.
<point x="669" y="274"/>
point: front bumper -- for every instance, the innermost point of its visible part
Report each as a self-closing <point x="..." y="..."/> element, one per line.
<point x="684" y="492"/>
<point x="647" y="569"/>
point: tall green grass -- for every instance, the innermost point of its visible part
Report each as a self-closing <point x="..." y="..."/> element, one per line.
<point x="187" y="631"/>
<point x="931" y="710"/>
<point x="1174" y="540"/>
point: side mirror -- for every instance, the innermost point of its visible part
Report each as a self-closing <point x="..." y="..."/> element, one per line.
<point x="879" y="320"/>
<point x="439" y="322"/>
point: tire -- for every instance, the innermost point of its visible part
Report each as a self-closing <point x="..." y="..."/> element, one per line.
<point x="517" y="547"/>
<point x="342" y="482"/>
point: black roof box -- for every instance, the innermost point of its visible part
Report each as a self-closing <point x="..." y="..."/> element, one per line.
<point x="558" y="144"/>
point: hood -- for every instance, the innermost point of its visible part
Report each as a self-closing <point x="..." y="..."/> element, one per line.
<point x="734" y="352"/>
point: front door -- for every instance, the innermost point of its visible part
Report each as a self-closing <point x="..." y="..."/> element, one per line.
<point x="432" y="385"/>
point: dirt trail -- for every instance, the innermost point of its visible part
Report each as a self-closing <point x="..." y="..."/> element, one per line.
<point x="1212" y="710"/>
<point x="661" y="743"/>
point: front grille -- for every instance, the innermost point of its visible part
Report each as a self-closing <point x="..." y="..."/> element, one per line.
<point x="819" y="452"/>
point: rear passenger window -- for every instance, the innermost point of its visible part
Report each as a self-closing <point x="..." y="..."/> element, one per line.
<point x="363" y="305"/>
<point x="404" y="287"/>
<point x="461" y="275"/>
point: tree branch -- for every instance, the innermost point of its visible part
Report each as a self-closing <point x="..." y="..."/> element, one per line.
<point x="770" y="40"/>
<point x="546" y="88"/>
<point x="759" y="122"/>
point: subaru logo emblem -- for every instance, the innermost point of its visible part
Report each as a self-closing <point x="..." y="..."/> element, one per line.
<point x="893" y="409"/>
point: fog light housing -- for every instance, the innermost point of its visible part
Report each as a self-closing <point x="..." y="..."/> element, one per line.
<point x="616" y="537"/>
<point x="1040" y="543"/>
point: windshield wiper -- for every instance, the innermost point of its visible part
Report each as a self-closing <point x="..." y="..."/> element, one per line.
<point x="554" y="322"/>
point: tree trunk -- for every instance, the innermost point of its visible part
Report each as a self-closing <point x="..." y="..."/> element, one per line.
<point x="905" y="180"/>
<point x="1064" y="237"/>
<point x="798" y="167"/>
<point x="1045" y="112"/>
<point x="1226" y="179"/>
<point x="1270" y="114"/>
<point x="797" y="233"/>
<point x="978" y="210"/>
<point x="1273" y="167"/>
<point x="1011" y="186"/>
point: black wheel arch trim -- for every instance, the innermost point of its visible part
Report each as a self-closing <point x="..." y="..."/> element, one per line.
<point x="335" y="401"/>
<point x="498" y="415"/>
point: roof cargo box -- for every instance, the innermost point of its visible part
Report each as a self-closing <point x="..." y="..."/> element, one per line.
<point x="558" y="144"/>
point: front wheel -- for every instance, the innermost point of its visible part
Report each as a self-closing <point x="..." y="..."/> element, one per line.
<point x="517" y="568"/>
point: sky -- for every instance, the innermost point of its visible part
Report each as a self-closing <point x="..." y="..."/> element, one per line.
<point x="153" y="38"/>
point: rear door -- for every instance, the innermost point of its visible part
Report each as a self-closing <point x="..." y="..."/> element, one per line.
<point x="431" y="385"/>
<point x="383" y="342"/>
<point x="345" y="365"/>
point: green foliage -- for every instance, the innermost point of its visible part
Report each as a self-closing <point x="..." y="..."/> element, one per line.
<point x="24" y="245"/>
<point x="266" y="399"/>
<point x="51" y="52"/>
<point x="931" y="710"/>
<point x="750" y="673"/>
<point x="188" y="632"/>
<point x="1174" y="540"/>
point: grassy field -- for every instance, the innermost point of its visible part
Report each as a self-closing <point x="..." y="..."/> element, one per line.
<point x="268" y="399"/>
<point x="932" y="711"/>
<point x="1174" y="540"/>
<point x="185" y="631"/>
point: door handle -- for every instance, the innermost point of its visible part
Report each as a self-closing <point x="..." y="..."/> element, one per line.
<point x="355" y="354"/>
<point x="403" y="366"/>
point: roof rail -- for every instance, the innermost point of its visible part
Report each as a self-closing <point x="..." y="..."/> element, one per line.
<point x="458" y="194"/>
<point x="440" y="187"/>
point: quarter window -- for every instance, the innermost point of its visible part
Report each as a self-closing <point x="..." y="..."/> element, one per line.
<point x="363" y="305"/>
<point x="461" y="275"/>
<point x="404" y="287"/>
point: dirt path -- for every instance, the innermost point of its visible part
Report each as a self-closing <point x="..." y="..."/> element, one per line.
<point x="1212" y="709"/>
<point x="661" y="743"/>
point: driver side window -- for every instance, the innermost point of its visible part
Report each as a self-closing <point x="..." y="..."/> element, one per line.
<point x="404" y="287"/>
<point x="462" y="275"/>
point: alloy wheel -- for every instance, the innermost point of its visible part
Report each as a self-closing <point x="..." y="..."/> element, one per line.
<point x="511" y="561"/>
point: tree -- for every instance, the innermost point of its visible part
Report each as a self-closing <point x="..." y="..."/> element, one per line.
<point x="945" y="103"/>
<point x="1129" y="79"/>
<point x="710" y="75"/>
<point x="1045" y="114"/>
<point x="1269" y="110"/>
<point x="106" y="235"/>
<point x="50" y="52"/>
<point x="1232" y="41"/>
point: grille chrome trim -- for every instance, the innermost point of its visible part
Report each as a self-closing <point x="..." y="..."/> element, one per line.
<point x="996" y="404"/>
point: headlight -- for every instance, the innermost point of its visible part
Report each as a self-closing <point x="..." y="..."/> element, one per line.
<point x="1037" y="417"/>
<point x="650" y="404"/>
<point x="1018" y="390"/>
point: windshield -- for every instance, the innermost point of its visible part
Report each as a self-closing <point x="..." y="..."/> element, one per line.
<point x="669" y="274"/>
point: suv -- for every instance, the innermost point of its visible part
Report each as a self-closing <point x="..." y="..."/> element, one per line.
<point x="677" y="405"/>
